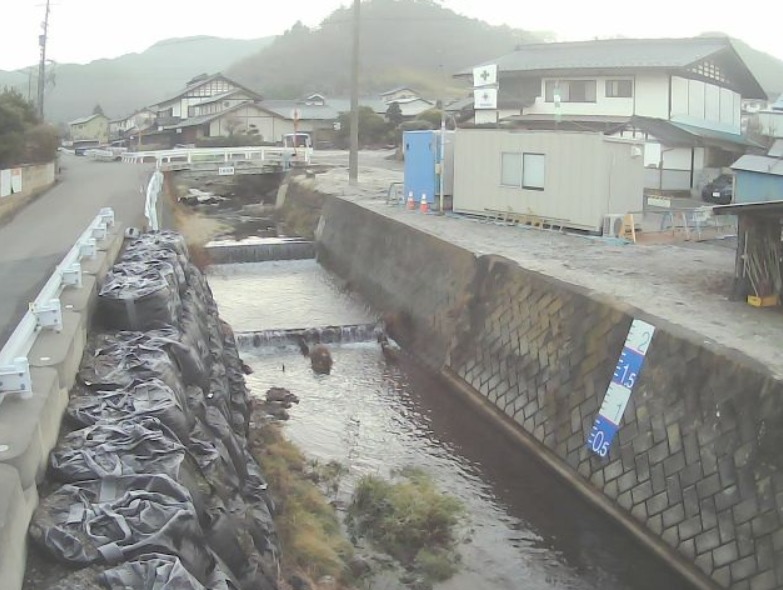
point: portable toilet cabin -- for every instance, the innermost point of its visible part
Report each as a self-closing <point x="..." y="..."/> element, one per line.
<point x="422" y="165"/>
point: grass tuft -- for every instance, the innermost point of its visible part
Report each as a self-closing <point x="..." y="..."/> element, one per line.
<point x="410" y="520"/>
<point x="307" y="524"/>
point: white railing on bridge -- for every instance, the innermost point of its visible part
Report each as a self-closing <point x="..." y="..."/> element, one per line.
<point x="105" y="154"/>
<point x="45" y="313"/>
<point x="100" y="155"/>
<point x="272" y="155"/>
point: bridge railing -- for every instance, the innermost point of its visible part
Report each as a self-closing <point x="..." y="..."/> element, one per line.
<point x="219" y="155"/>
<point x="45" y="313"/>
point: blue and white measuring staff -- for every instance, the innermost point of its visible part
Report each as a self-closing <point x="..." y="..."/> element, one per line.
<point x="607" y="423"/>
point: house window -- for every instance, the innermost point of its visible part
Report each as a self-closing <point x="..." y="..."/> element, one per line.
<point x="619" y="88"/>
<point x="523" y="170"/>
<point x="570" y="90"/>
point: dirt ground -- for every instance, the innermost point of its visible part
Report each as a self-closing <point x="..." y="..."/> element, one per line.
<point x="686" y="283"/>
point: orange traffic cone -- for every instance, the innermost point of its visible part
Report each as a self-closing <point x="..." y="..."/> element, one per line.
<point x="411" y="204"/>
<point x="425" y="206"/>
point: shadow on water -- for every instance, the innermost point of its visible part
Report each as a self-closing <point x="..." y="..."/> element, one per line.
<point x="525" y="529"/>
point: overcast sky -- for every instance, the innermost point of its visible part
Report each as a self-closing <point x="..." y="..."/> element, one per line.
<point x="84" y="30"/>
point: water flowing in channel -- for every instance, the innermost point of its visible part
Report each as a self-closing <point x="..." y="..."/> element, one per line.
<point x="525" y="529"/>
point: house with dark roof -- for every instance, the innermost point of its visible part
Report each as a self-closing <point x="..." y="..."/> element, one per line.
<point x="682" y="96"/>
<point x="243" y="118"/>
<point x="203" y="90"/>
<point x="399" y="93"/>
<point x="124" y="128"/>
<point x="216" y="106"/>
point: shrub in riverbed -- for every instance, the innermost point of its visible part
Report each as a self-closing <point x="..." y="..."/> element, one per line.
<point x="308" y="525"/>
<point x="410" y="520"/>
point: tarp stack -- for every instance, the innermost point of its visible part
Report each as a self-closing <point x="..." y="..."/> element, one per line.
<point x="158" y="485"/>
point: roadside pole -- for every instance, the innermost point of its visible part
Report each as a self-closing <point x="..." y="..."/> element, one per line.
<point x="353" y="157"/>
<point x="442" y="157"/>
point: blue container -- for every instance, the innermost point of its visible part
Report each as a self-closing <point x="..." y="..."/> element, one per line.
<point x="421" y="158"/>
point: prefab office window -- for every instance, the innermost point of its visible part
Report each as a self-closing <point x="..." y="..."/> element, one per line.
<point x="523" y="170"/>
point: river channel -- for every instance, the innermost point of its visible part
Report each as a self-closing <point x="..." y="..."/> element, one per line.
<point x="525" y="530"/>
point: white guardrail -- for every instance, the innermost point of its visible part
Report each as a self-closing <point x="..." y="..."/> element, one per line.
<point x="45" y="313"/>
<point x="214" y="155"/>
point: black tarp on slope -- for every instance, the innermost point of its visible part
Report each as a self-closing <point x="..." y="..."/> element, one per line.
<point x="167" y="404"/>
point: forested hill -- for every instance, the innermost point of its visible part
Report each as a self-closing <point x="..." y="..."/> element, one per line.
<point x="403" y="42"/>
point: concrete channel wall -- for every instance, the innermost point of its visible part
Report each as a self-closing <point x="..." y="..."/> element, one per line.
<point x="696" y="471"/>
<point x="29" y="427"/>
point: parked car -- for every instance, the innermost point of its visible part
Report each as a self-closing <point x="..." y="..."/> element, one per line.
<point x="81" y="146"/>
<point x="720" y="191"/>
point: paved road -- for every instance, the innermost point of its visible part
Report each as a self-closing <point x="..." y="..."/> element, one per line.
<point x="39" y="236"/>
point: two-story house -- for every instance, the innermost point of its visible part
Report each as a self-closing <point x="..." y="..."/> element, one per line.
<point x="683" y="96"/>
<point x="93" y="128"/>
<point x="411" y="103"/>
<point x="125" y="127"/>
<point x="209" y="106"/>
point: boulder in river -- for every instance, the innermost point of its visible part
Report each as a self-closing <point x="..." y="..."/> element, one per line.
<point x="321" y="359"/>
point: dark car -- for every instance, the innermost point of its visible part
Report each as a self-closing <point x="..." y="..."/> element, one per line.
<point x="720" y="191"/>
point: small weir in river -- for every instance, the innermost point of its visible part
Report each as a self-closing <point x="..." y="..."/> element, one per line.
<point x="525" y="528"/>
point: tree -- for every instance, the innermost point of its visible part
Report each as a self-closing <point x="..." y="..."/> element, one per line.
<point x="97" y="110"/>
<point x="232" y="125"/>
<point x="431" y="115"/>
<point x="394" y="114"/>
<point x="17" y="118"/>
<point x="373" y="128"/>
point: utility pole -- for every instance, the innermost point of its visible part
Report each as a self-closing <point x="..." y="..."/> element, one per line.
<point x="353" y="156"/>
<point x="42" y="65"/>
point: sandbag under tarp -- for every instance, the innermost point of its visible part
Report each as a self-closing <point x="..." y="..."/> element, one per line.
<point x="110" y="449"/>
<point x="159" y="572"/>
<point x="163" y="260"/>
<point x="161" y="240"/>
<point x="117" y="359"/>
<point x="117" y="519"/>
<point x="139" y="296"/>
<point x="113" y="361"/>
<point x="139" y="400"/>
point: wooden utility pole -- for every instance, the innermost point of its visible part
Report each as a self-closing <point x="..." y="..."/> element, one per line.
<point x="353" y="157"/>
<point x="42" y="65"/>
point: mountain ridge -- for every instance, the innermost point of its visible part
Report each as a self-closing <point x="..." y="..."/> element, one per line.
<point x="131" y="81"/>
